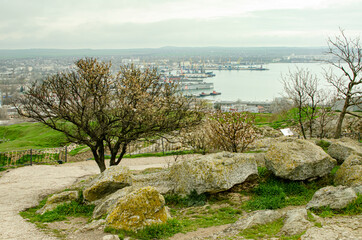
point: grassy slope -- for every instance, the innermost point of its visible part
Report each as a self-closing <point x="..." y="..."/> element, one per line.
<point x="30" y="135"/>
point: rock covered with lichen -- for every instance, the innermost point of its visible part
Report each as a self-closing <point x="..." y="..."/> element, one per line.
<point x="104" y="205"/>
<point x="350" y="172"/>
<point x="109" y="181"/>
<point x="298" y="159"/>
<point x="212" y="173"/>
<point x="140" y="208"/>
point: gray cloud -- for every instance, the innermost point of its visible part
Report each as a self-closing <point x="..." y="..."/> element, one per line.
<point x="54" y="24"/>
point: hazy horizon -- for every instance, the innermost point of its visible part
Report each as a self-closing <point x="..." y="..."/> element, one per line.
<point x="142" y="24"/>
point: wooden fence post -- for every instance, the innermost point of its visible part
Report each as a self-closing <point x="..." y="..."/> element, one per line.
<point x="66" y="154"/>
<point x="31" y="157"/>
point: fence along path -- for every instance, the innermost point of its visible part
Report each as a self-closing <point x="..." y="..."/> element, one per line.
<point x="33" y="156"/>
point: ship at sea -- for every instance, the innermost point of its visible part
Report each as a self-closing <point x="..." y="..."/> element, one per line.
<point x="190" y="81"/>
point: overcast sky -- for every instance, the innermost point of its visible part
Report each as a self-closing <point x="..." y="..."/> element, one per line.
<point x="110" y="24"/>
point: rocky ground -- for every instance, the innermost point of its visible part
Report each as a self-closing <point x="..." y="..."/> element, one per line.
<point x="24" y="187"/>
<point x="217" y="174"/>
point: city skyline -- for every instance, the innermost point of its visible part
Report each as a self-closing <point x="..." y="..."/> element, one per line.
<point x="127" y="24"/>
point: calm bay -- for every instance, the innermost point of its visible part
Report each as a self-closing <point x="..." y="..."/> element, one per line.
<point x="248" y="85"/>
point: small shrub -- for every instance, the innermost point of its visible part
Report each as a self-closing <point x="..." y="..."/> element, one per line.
<point x="232" y="131"/>
<point x="323" y="144"/>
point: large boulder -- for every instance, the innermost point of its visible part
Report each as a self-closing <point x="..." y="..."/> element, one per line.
<point x="160" y="180"/>
<point x="138" y="209"/>
<point x="343" y="148"/>
<point x="109" y="181"/>
<point x="333" y="197"/>
<point x="58" y="199"/>
<point x="212" y="173"/>
<point x="104" y="205"/>
<point x="295" y="222"/>
<point x="298" y="159"/>
<point x="350" y="172"/>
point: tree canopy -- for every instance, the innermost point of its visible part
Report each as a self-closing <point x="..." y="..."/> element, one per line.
<point x="92" y="106"/>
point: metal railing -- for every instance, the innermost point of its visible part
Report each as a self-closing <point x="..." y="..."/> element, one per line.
<point x="33" y="156"/>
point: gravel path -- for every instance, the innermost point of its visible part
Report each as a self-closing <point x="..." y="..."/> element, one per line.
<point x="24" y="187"/>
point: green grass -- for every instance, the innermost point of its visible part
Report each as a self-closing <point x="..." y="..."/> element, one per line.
<point x="30" y="135"/>
<point x="156" y="231"/>
<point x="78" y="149"/>
<point x="274" y="193"/>
<point x="323" y="144"/>
<point x="193" y="199"/>
<point x="60" y="213"/>
<point x="261" y="231"/>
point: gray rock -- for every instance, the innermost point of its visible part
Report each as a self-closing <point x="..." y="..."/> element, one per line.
<point x="333" y="197"/>
<point x="160" y="180"/>
<point x="212" y="173"/>
<point x="103" y="206"/>
<point x="357" y="189"/>
<point x="57" y="199"/>
<point x="330" y="233"/>
<point x="109" y="181"/>
<point x="298" y="159"/>
<point x="110" y="237"/>
<point x="94" y="225"/>
<point x="350" y="172"/>
<point x="296" y="222"/>
<point x="254" y="218"/>
<point x="343" y="148"/>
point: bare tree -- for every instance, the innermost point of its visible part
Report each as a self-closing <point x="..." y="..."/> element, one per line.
<point x="93" y="107"/>
<point x="232" y="131"/>
<point x="347" y="58"/>
<point x="302" y="88"/>
<point x="325" y="113"/>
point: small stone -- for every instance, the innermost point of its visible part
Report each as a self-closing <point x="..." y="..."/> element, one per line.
<point x="110" y="237"/>
<point x="295" y="222"/>
<point x="255" y="218"/>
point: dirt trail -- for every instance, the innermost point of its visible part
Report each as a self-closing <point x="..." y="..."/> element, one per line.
<point x="23" y="187"/>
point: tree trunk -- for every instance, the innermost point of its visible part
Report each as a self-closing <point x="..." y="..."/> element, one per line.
<point x="124" y="150"/>
<point x="301" y="123"/>
<point x="98" y="153"/>
<point x="341" y="118"/>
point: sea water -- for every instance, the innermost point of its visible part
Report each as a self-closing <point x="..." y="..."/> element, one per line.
<point x="266" y="85"/>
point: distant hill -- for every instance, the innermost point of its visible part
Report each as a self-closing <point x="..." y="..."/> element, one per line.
<point x="165" y="51"/>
